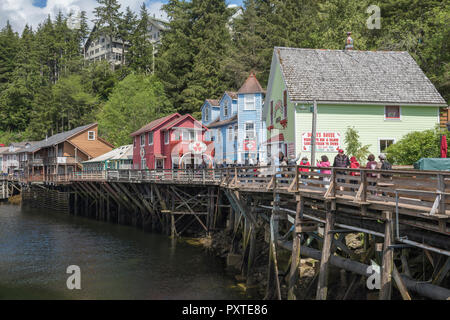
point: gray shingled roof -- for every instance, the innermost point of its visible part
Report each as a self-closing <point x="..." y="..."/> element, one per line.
<point x="58" y="138"/>
<point x="355" y="76"/>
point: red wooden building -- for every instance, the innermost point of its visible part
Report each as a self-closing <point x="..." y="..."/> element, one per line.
<point x="174" y="141"/>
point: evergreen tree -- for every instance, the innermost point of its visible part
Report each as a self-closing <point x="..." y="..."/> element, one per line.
<point x="9" y="41"/>
<point x="126" y="30"/>
<point x="140" y="53"/>
<point x="175" y="54"/>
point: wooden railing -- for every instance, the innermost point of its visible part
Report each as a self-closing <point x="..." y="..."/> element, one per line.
<point x="426" y="191"/>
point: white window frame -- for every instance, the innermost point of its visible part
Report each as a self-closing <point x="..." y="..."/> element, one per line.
<point x="89" y="134"/>
<point x="142" y="140"/>
<point x="235" y="132"/>
<point x="379" y="141"/>
<point x="393" y="119"/>
<point x="192" y="135"/>
<point x="246" y="130"/>
<point x="150" y="143"/>
<point x="166" y="137"/>
<point x="225" y="108"/>
<point x="246" y="98"/>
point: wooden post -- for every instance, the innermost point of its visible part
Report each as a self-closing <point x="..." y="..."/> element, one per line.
<point x="313" y="134"/>
<point x="295" y="257"/>
<point x="441" y="188"/>
<point x="273" y="283"/>
<point x="388" y="259"/>
<point x="322" y="285"/>
<point x="75" y="203"/>
<point x="251" y="254"/>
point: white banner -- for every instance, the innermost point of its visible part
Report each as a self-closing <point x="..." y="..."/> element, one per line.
<point x="325" y="141"/>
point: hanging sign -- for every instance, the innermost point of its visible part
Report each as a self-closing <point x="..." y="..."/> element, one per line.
<point x="197" y="147"/>
<point x="325" y="141"/>
<point x="249" y="145"/>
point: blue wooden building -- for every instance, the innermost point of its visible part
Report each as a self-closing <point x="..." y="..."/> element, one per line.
<point x="239" y="132"/>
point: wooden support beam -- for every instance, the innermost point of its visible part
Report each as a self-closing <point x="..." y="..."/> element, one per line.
<point x="388" y="259"/>
<point x="442" y="272"/>
<point x="322" y="285"/>
<point x="273" y="284"/>
<point x="400" y="284"/>
<point x="295" y="255"/>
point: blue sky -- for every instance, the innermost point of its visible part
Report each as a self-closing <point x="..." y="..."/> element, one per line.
<point x="20" y="12"/>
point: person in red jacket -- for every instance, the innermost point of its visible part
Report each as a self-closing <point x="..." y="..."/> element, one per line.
<point x="354" y="164"/>
<point x="304" y="162"/>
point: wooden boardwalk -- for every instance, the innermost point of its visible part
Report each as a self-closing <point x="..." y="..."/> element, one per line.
<point x="404" y="209"/>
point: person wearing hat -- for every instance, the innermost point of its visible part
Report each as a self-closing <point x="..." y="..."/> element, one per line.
<point x="341" y="161"/>
<point x="385" y="165"/>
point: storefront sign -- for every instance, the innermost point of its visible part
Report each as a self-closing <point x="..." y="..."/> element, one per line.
<point x="197" y="147"/>
<point x="249" y="145"/>
<point x="325" y="141"/>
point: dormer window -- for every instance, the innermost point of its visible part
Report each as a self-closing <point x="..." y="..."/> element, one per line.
<point x="91" y="135"/>
<point x="225" y="108"/>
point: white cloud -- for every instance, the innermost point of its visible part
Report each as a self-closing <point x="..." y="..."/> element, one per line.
<point x="21" y="12"/>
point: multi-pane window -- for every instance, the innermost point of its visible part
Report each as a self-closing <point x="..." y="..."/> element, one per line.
<point x="384" y="143"/>
<point x="191" y="135"/>
<point x="230" y="133"/>
<point x="91" y="135"/>
<point x="225" y="108"/>
<point x="235" y="132"/>
<point x="150" y="138"/>
<point x="142" y="140"/>
<point x="392" y="112"/>
<point x="249" y="102"/>
<point x="249" y="130"/>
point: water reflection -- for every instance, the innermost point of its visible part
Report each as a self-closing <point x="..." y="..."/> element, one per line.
<point x="117" y="262"/>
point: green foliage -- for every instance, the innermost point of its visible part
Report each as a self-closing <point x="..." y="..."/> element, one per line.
<point x="353" y="146"/>
<point x="140" y="53"/>
<point x="416" y="145"/>
<point x="135" y="101"/>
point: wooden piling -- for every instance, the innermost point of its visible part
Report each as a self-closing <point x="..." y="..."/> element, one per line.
<point x="388" y="258"/>
<point x="322" y="286"/>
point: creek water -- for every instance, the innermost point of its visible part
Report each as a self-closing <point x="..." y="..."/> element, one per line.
<point x="116" y="262"/>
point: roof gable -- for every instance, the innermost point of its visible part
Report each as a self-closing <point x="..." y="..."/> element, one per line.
<point x="176" y="121"/>
<point x="156" y="123"/>
<point x="355" y="76"/>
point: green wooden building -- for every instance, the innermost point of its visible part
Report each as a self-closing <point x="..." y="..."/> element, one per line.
<point x="382" y="94"/>
<point x="119" y="158"/>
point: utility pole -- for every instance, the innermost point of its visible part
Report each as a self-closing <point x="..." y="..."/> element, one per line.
<point x="313" y="134"/>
